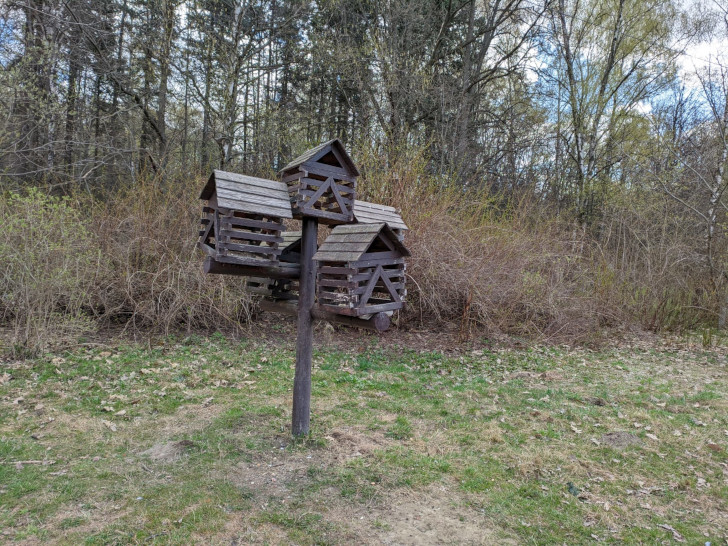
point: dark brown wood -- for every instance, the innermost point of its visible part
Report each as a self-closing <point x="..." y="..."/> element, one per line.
<point x="218" y="268"/>
<point x="322" y="184"/>
<point x="313" y="156"/>
<point x="250" y="236"/>
<point x="326" y="170"/>
<point x="247" y="222"/>
<point x="379" y="322"/>
<point x="301" y="417"/>
<point x="361" y="270"/>
<point x="368" y="310"/>
<point x="262" y="250"/>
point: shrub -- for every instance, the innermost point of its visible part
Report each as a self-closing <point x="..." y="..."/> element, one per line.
<point x="154" y="280"/>
<point x="49" y="263"/>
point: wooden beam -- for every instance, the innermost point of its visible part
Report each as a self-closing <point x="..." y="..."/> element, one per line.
<point x="282" y="272"/>
<point x="301" y="418"/>
<point x="380" y="322"/>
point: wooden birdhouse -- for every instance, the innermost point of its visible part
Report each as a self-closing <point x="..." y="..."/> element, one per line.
<point x="361" y="270"/>
<point x="322" y="183"/>
<point x="373" y="213"/>
<point x="243" y="219"/>
<point x="283" y="288"/>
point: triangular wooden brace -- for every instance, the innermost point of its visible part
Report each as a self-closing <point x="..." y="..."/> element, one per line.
<point x="392" y="291"/>
<point x="370" y="287"/>
<point x="338" y="198"/>
<point x="316" y="196"/>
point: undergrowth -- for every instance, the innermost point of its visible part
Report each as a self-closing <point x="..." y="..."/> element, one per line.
<point x="480" y="262"/>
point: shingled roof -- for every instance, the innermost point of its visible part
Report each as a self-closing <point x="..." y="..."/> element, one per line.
<point x="373" y="213"/>
<point x="289" y="238"/>
<point x="321" y="150"/>
<point x="248" y="194"/>
<point x="347" y="243"/>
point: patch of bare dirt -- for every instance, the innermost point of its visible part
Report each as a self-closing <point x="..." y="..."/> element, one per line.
<point x="620" y="439"/>
<point x="167" y="452"/>
<point x="349" y="443"/>
<point x="426" y="518"/>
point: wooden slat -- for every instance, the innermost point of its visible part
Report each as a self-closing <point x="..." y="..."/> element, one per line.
<point x="374" y="206"/>
<point x="247" y="235"/>
<point x="392" y="254"/>
<point x="254" y="267"/>
<point x="350" y="238"/>
<point x="243" y="260"/>
<point x="393" y="222"/>
<point x="308" y="183"/>
<point x="389" y="273"/>
<point x="250" y="223"/>
<point x="339" y="283"/>
<point x="358" y="311"/>
<point x="360" y="228"/>
<point x="316" y="213"/>
<point x="287" y="179"/>
<point x="249" y="180"/>
<point x="254" y="249"/>
<point x="317" y="183"/>
<point x="344" y="246"/>
<point x="329" y="270"/>
<point x="307" y="195"/>
<point x="374" y="263"/>
<point x="252" y="207"/>
<point x="338" y="257"/>
<point x="255" y="199"/>
<point x="314" y="167"/>
<point x="278" y="193"/>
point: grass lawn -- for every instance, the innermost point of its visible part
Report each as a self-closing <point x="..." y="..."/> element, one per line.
<point x="189" y="441"/>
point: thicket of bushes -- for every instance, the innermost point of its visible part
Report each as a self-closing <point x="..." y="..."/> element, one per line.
<point x="128" y="259"/>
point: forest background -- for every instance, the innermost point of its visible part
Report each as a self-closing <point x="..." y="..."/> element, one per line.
<point x="561" y="163"/>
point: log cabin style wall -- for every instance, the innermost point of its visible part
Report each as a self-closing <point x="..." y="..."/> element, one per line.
<point x="243" y="219"/>
<point x="361" y="270"/>
<point x="322" y="184"/>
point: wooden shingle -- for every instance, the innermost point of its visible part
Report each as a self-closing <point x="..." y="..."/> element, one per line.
<point x="290" y="238"/>
<point x="248" y="194"/>
<point x="373" y="213"/>
<point x="320" y="150"/>
<point x="348" y="243"/>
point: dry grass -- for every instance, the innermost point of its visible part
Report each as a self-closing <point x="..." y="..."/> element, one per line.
<point x="543" y="446"/>
<point x="480" y="264"/>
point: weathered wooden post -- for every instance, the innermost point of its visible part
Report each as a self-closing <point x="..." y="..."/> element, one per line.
<point x="362" y="276"/>
<point x="304" y="343"/>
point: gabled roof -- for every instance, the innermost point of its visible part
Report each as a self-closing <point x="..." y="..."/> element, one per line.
<point x="347" y="243"/>
<point x="320" y="151"/>
<point x="373" y="213"/>
<point x="248" y="194"/>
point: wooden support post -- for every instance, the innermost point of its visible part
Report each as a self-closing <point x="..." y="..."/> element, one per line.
<point x="304" y="342"/>
<point x="284" y="271"/>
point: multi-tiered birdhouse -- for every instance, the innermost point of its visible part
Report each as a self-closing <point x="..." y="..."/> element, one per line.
<point x="361" y="270"/>
<point x="243" y="219"/>
<point x="322" y="184"/>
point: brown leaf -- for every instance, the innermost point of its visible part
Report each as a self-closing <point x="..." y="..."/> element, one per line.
<point x="677" y="536"/>
<point x="111" y="426"/>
